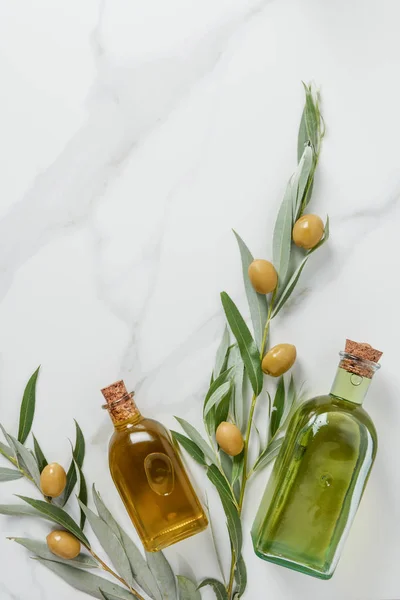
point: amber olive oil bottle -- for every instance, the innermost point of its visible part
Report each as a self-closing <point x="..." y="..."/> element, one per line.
<point x="320" y="473"/>
<point x="149" y="475"/>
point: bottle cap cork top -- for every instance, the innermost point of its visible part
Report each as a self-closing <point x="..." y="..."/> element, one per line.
<point x="360" y="358"/>
<point x="120" y="403"/>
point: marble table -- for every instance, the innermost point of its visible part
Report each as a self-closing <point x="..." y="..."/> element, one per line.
<point x="134" y="137"/>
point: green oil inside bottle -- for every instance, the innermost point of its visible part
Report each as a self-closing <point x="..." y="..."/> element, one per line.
<point x="318" y="480"/>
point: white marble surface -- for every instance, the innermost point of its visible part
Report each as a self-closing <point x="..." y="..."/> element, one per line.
<point x="134" y="136"/>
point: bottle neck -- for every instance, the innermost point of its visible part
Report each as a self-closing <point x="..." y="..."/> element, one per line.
<point x="120" y="425"/>
<point x="350" y="386"/>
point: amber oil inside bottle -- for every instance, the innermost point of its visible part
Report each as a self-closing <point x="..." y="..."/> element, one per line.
<point x="150" y="476"/>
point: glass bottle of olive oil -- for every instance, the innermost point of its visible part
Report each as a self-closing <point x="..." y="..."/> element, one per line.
<point x="149" y="475"/>
<point x="320" y="473"/>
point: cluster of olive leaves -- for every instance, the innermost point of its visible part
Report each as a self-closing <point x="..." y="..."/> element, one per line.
<point x="240" y="362"/>
<point x="237" y="366"/>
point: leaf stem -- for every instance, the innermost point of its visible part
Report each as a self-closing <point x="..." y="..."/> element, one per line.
<point x="108" y="569"/>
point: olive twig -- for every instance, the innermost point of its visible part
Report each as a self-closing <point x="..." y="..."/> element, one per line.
<point x="108" y="569"/>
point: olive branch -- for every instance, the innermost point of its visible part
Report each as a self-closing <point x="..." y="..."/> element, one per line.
<point x="238" y="367"/>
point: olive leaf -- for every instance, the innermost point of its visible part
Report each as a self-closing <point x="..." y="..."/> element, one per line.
<point x="236" y="362"/>
<point x="218" y="395"/>
<point x="282" y="237"/>
<point x="162" y="572"/>
<point x="270" y="452"/>
<point x="110" y="543"/>
<point x="11" y="446"/>
<point x="27" y="411"/>
<point x="78" y="455"/>
<point x="9" y="474"/>
<point x="21" y="510"/>
<point x="40" y="457"/>
<point x="84" y="561"/>
<point x="197" y="439"/>
<point x="278" y="406"/>
<point x="301" y="183"/>
<point x="246" y="344"/>
<point x="237" y="467"/>
<point x="287" y="292"/>
<point x="187" y="589"/>
<point x="82" y="495"/>
<point x="222" y="354"/>
<point x="57" y="515"/>
<point x="258" y="304"/>
<point x="191" y="448"/>
<point x="240" y="577"/>
<point x="27" y="460"/>
<point x="85" y="581"/>
<point x="108" y="596"/>
<point x="7" y="452"/>
<point x="290" y="399"/>
<point x="229" y="506"/>
<point x="214" y="538"/>
<point x="218" y="587"/>
<point x="140" y="569"/>
<point x="210" y="418"/>
<point x="312" y="118"/>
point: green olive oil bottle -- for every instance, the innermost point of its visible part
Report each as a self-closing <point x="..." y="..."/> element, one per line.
<point x="320" y="473"/>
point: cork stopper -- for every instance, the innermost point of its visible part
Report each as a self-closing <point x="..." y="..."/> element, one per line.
<point x="360" y="358"/>
<point x="120" y="403"/>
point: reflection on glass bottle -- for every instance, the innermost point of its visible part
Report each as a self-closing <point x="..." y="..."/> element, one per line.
<point x="149" y="475"/>
<point x="320" y="473"/>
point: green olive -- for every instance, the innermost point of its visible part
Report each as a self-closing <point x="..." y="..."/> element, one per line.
<point x="308" y="231"/>
<point x="63" y="544"/>
<point x="279" y="359"/>
<point x="263" y="276"/>
<point x="53" y="480"/>
<point x="229" y="438"/>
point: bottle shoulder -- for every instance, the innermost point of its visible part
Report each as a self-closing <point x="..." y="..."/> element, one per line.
<point x="141" y="430"/>
<point x="331" y="405"/>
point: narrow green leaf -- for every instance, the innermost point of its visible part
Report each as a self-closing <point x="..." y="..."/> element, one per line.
<point x="221" y="357"/>
<point x="27" y="411"/>
<point x="21" y="510"/>
<point x="227" y="464"/>
<point x="278" y="406"/>
<point x="217" y="586"/>
<point x="214" y="539"/>
<point x="187" y="589"/>
<point x="303" y="138"/>
<point x="222" y="410"/>
<point x="83" y="495"/>
<point x="287" y="292"/>
<point x="290" y="399"/>
<point x="40" y="457"/>
<point x="27" y="461"/>
<point x="258" y="304"/>
<point x="190" y="447"/>
<point x="85" y="581"/>
<point x="312" y="119"/>
<point x="197" y="439"/>
<point x="236" y="362"/>
<point x="78" y="454"/>
<point x="162" y="572"/>
<point x="237" y="467"/>
<point x="110" y="543"/>
<point x="210" y="417"/>
<point x="11" y="445"/>
<point x="9" y="474"/>
<point x="7" y="452"/>
<point x="219" y="393"/>
<point x="303" y="174"/>
<point x="40" y="548"/>
<point x="58" y="515"/>
<point x="247" y="346"/>
<point x="269" y="454"/>
<point x="282" y="237"/>
<point x="140" y="570"/>
<point x="240" y="577"/>
<point x="229" y="506"/>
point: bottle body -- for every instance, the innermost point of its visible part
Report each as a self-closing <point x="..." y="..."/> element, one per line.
<point x="316" y="486"/>
<point x="153" y="484"/>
